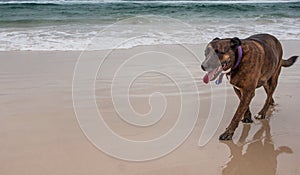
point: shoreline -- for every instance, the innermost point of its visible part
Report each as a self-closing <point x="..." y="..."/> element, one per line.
<point x="284" y="42"/>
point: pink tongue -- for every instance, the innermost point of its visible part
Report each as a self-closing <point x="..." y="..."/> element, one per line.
<point x="206" y="78"/>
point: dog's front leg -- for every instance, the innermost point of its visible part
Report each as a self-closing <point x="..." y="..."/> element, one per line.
<point x="247" y="95"/>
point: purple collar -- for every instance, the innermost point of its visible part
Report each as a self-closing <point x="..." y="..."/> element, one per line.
<point x="240" y="55"/>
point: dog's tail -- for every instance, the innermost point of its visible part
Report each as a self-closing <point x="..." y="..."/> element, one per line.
<point x="289" y="62"/>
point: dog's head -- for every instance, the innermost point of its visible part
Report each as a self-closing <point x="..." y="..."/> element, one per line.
<point x="220" y="56"/>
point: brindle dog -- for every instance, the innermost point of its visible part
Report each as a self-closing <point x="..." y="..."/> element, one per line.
<point x="260" y="65"/>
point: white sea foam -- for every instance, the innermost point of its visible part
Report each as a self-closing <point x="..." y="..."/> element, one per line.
<point x="95" y="38"/>
<point x="126" y="35"/>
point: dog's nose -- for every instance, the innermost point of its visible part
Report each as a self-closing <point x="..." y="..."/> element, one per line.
<point x="202" y="67"/>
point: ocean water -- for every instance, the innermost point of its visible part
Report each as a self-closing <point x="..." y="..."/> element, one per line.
<point x="98" y="25"/>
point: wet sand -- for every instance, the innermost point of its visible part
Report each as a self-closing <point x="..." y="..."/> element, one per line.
<point x="39" y="132"/>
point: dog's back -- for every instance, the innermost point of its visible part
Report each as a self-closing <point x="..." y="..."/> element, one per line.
<point x="271" y="47"/>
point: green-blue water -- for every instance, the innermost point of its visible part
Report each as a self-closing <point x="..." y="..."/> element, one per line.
<point x="78" y="20"/>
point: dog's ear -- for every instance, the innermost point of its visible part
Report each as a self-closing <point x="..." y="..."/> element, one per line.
<point x="216" y="39"/>
<point x="235" y="42"/>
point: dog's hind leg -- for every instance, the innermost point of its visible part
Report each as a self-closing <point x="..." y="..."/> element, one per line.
<point x="269" y="87"/>
<point x="267" y="90"/>
<point x="247" y="116"/>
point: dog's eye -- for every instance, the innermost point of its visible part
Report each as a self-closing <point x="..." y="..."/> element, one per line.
<point x="219" y="52"/>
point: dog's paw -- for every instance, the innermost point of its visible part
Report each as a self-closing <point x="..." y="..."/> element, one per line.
<point x="260" y="116"/>
<point x="247" y="120"/>
<point x="226" y="136"/>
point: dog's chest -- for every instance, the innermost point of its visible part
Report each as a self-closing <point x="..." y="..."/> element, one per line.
<point x="235" y="84"/>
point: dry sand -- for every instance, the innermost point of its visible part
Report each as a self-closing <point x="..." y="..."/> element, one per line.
<point x="39" y="132"/>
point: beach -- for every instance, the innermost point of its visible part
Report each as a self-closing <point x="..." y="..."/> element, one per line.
<point x="40" y="132"/>
<point x="116" y="87"/>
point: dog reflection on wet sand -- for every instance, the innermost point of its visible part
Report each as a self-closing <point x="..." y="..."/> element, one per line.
<point x="260" y="156"/>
